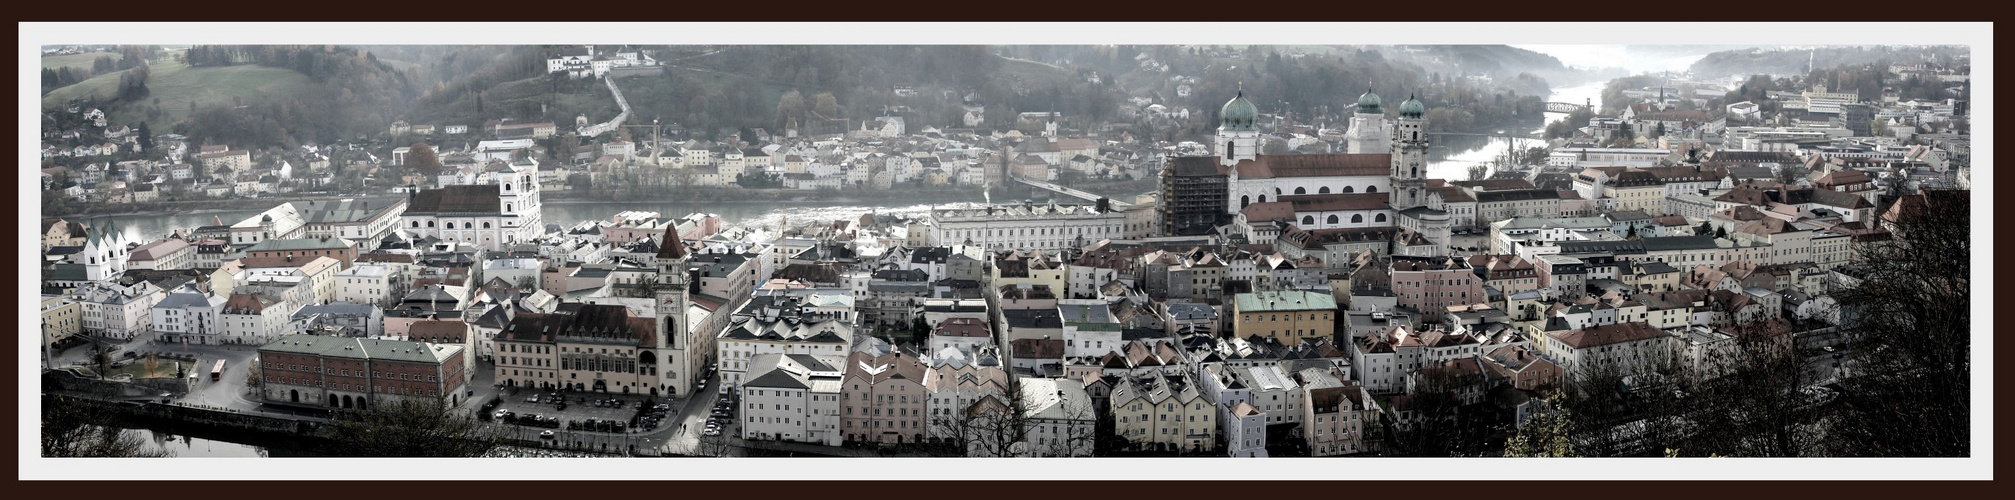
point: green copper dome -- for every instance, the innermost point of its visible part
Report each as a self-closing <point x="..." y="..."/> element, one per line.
<point x="1369" y="103"/>
<point x="1412" y="108"/>
<point x="1238" y="114"/>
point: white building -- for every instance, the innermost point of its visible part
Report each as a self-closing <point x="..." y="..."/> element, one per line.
<point x="187" y="315"/>
<point x="502" y="208"/>
<point x="252" y="319"/>
<point x="793" y="397"/>
<point x="777" y="324"/>
<point x="1026" y="226"/>
<point x="365" y="284"/>
<point x="1060" y="417"/>
<point x="118" y="312"/>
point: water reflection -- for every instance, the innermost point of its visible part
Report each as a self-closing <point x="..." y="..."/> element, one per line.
<point x="185" y="446"/>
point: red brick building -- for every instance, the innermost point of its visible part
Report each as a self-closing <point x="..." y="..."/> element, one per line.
<point x="351" y="373"/>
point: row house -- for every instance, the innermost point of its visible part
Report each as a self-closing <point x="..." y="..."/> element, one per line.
<point x="883" y="399"/>
<point x="1164" y="411"/>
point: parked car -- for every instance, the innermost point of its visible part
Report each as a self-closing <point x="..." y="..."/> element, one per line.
<point x="546" y="435"/>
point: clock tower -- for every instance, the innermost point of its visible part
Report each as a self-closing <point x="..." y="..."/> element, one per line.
<point x="672" y="289"/>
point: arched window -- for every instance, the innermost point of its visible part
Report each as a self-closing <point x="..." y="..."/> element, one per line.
<point x="507" y="186"/>
<point x="430" y="223"/>
<point x="1300" y="190"/>
<point x="1371" y="189"/>
<point x="1308" y="220"/>
<point x="416" y="223"/>
<point x="1244" y="200"/>
<point x="1332" y="218"/>
<point x="1262" y="198"/>
<point x="486" y="225"/>
<point x="1276" y="191"/>
<point x="1324" y="190"/>
<point x="1356" y="218"/>
<point x="1380" y="218"/>
<point x="1348" y="190"/>
<point x="1229" y="152"/>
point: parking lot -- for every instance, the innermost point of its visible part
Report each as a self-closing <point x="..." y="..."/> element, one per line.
<point x="580" y="411"/>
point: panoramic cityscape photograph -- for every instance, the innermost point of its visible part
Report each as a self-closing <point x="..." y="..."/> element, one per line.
<point x="593" y="252"/>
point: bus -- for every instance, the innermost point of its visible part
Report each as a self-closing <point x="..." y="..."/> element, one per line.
<point x="217" y="373"/>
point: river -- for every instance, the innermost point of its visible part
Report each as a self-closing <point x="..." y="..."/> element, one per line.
<point x="1449" y="158"/>
<point x="186" y="446"/>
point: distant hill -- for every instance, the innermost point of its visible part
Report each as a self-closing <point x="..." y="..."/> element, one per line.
<point x="74" y="61"/>
<point x="1794" y="61"/>
<point x="177" y="85"/>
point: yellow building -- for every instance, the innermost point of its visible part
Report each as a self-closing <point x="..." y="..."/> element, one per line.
<point x="1287" y="316"/>
<point x="61" y="318"/>
<point x="1164" y="412"/>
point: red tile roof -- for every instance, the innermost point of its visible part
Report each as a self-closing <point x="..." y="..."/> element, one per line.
<point x="1596" y="336"/>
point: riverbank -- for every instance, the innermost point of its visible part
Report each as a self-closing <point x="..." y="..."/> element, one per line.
<point x="769" y="196"/>
<point x="723" y="196"/>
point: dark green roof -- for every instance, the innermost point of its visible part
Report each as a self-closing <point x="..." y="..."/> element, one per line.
<point x="1369" y="103"/>
<point x="1238" y="114"/>
<point x="1412" y="108"/>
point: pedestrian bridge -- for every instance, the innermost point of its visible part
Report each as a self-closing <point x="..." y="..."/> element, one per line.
<point x="1563" y="107"/>
<point x="1085" y="195"/>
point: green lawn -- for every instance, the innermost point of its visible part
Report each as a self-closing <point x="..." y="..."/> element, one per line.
<point x="176" y="85"/>
<point x="1037" y="75"/>
<point x="75" y="61"/>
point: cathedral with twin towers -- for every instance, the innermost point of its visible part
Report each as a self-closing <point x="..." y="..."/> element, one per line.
<point x="1378" y="186"/>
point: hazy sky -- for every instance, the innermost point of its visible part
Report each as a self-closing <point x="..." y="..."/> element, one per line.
<point x="1592" y="56"/>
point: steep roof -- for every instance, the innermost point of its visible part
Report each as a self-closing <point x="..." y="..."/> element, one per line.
<point x="672" y="247"/>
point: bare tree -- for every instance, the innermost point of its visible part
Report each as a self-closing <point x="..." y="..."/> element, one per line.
<point x="1760" y="407"/>
<point x="992" y="427"/>
<point x="70" y="428"/>
<point x="411" y="427"/>
<point x="713" y="446"/>
<point x="1908" y="331"/>
<point x="1443" y="430"/>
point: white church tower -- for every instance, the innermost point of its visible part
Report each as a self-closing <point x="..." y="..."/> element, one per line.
<point x="518" y="193"/>
<point x="104" y="252"/>
<point x="1368" y="132"/>
<point x="1237" y="132"/>
<point x="1409" y="156"/>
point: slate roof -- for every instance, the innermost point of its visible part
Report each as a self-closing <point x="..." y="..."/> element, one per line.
<point x="359" y="348"/>
<point x="459" y="199"/>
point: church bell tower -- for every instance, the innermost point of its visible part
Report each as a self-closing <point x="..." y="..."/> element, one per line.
<point x="1409" y="156"/>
